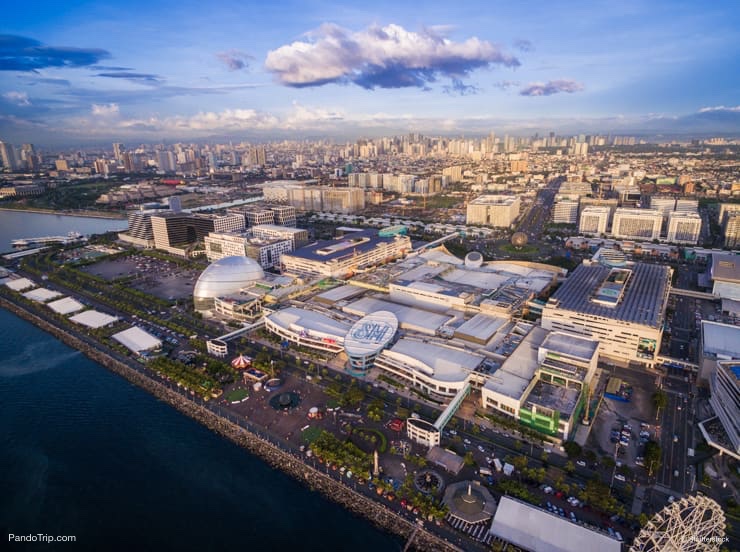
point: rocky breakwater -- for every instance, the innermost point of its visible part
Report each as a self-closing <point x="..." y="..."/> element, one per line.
<point x="276" y="457"/>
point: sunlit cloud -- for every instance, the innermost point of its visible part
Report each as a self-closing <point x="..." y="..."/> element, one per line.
<point x="18" y="98"/>
<point x="381" y="57"/>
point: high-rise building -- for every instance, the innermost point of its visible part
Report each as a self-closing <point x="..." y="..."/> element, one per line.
<point x="637" y="224"/>
<point x="594" y="220"/>
<point x="493" y="210"/>
<point x="297" y="236"/>
<point x="565" y="212"/>
<point x="7" y="156"/>
<point x="732" y="229"/>
<point x="174" y="232"/>
<point x="118" y="150"/>
<point x="684" y="227"/>
<point x="724" y="385"/>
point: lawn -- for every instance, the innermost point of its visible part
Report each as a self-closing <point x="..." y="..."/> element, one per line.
<point x="236" y="395"/>
<point x="311" y="434"/>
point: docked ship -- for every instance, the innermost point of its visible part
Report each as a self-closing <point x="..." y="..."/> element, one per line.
<point x="71" y="237"/>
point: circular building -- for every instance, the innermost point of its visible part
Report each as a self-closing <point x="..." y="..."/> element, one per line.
<point x="367" y="337"/>
<point x="473" y="260"/>
<point x="224" y="277"/>
<point x="519" y="239"/>
<point x="469" y="502"/>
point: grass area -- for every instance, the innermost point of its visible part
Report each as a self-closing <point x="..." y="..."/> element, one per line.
<point x="311" y="434"/>
<point x="237" y="395"/>
<point x="332" y="403"/>
<point x="381" y="440"/>
<point x="526" y="250"/>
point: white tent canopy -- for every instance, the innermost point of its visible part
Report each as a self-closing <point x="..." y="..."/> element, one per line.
<point x="137" y="340"/>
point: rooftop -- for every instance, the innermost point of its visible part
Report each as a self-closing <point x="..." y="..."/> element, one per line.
<point x="641" y="301"/>
<point x="554" y="397"/>
<point x="532" y="528"/>
<point x="571" y="345"/>
<point x="314" y="324"/>
<point x="441" y="363"/>
<point x="517" y="371"/>
<point x="720" y="340"/>
<point x="725" y="267"/>
<point x="494" y="200"/>
<point x="357" y="242"/>
<point x="411" y="318"/>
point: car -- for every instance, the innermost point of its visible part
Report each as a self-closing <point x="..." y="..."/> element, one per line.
<point x="675" y="438"/>
<point x="453" y="432"/>
<point x="548" y="489"/>
<point x="675" y="473"/>
<point x="480" y="448"/>
<point x="581" y="463"/>
<point x="620" y="477"/>
<point x="466" y="441"/>
<point x="671" y="499"/>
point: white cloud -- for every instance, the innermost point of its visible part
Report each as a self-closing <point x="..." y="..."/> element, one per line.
<point x="18" y="98"/>
<point x="380" y="57"/>
<point x="735" y="109"/>
<point x="551" y="87"/>
<point x="104" y="110"/>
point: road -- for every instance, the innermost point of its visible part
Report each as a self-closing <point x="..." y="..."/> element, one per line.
<point x="533" y="221"/>
<point x="676" y="436"/>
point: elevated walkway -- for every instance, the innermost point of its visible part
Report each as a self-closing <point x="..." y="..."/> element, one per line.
<point x="453" y="407"/>
<point x="694" y="294"/>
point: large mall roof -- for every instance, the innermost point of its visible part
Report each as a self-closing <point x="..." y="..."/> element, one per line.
<point x="409" y="318"/>
<point x="226" y="276"/>
<point x="371" y="333"/>
<point x="436" y="361"/>
<point x="533" y="528"/>
<point x="312" y="322"/>
<point x="641" y="301"/>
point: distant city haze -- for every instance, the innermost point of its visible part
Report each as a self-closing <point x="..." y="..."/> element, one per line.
<point x="94" y="73"/>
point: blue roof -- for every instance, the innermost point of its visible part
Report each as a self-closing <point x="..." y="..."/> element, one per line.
<point x="327" y="250"/>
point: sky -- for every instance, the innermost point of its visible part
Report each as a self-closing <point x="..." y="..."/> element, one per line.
<point x="81" y="71"/>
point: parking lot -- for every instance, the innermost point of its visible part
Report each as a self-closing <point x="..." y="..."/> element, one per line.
<point x="610" y="436"/>
<point x="161" y="278"/>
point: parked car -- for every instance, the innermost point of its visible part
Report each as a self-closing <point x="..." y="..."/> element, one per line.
<point x="620" y="477"/>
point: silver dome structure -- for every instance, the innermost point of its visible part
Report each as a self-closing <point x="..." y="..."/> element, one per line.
<point x="224" y="277"/>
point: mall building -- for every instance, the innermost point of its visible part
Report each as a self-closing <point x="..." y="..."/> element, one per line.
<point x="621" y="307"/>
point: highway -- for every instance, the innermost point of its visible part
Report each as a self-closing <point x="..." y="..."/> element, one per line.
<point x="533" y="221"/>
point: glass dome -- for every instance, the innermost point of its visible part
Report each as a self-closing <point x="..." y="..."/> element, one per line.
<point x="224" y="277"/>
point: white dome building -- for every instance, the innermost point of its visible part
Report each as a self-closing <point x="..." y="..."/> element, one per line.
<point x="225" y="276"/>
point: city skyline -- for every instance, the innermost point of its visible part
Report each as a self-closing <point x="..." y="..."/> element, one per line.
<point x="164" y="70"/>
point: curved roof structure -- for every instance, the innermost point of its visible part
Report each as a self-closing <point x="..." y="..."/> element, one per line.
<point x="371" y="333"/>
<point x="225" y="276"/>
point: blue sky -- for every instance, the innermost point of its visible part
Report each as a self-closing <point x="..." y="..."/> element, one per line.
<point x="80" y="71"/>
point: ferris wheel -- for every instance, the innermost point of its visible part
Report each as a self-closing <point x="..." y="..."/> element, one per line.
<point x="691" y="524"/>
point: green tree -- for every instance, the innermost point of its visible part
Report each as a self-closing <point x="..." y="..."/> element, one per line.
<point x="468" y="459"/>
<point x="653" y="455"/>
<point x="569" y="467"/>
<point x="660" y="399"/>
<point x="572" y="449"/>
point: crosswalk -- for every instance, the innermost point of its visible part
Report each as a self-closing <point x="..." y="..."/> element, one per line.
<point x="477" y="531"/>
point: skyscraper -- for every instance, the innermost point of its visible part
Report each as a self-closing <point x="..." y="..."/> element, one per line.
<point x="7" y="156"/>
